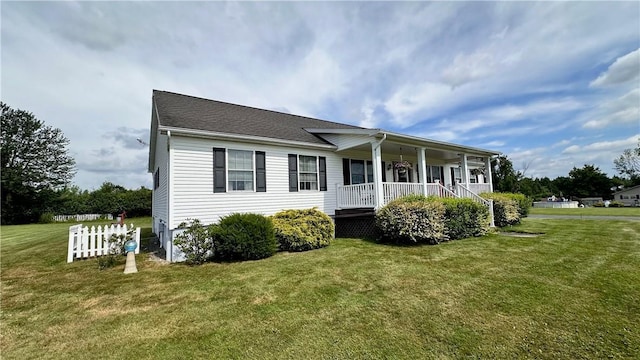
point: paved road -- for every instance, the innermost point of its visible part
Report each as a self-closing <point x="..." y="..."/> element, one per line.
<point x="585" y="217"/>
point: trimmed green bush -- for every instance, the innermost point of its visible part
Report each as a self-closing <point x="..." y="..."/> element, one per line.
<point x="465" y="218"/>
<point x="46" y="218"/>
<point x="505" y="209"/>
<point x="244" y="237"/>
<point x="302" y="230"/>
<point x="524" y="203"/>
<point x="616" y="204"/>
<point x="411" y="221"/>
<point x="196" y="242"/>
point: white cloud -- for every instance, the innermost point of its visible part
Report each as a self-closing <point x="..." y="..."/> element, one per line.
<point x="625" y="69"/>
<point x="613" y="145"/>
<point x="619" y="111"/>
<point x="493" y="73"/>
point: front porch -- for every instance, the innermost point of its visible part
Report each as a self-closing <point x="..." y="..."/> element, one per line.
<point x="364" y="195"/>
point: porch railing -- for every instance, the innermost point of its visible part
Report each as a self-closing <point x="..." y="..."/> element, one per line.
<point x="363" y="195"/>
<point x="356" y="196"/>
<point x="478" y="188"/>
<point x="396" y="190"/>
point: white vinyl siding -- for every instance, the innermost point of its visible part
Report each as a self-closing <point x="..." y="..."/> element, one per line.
<point x="192" y="177"/>
<point x="160" y="205"/>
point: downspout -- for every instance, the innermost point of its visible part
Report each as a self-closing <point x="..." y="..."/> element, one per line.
<point x="169" y="231"/>
<point x="376" y="156"/>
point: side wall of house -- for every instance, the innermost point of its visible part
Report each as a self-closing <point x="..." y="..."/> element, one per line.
<point x="160" y="200"/>
<point x="192" y="180"/>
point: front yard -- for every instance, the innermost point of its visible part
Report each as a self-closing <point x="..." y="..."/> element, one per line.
<point x="573" y="292"/>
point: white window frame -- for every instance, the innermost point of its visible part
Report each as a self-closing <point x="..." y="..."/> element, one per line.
<point x="300" y="172"/>
<point x="229" y="170"/>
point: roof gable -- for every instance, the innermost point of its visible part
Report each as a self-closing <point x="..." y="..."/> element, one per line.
<point x="188" y="112"/>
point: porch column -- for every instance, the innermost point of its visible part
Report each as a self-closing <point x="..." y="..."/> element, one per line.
<point x="376" y="157"/>
<point x="488" y="178"/>
<point x="422" y="161"/>
<point x="465" y="170"/>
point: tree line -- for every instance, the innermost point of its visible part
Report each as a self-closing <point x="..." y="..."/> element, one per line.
<point x="37" y="170"/>
<point x="587" y="181"/>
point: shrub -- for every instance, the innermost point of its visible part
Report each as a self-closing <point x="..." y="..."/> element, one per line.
<point x="116" y="250"/>
<point x="196" y="242"/>
<point x="46" y="218"/>
<point x="523" y="202"/>
<point x="244" y="237"/>
<point x="106" y="262"/>
<point x="302" y="230"/>
<point x="465" y="218"/>
<point x="616" y="204"/>
<point x="598" y="204"/>
<point x="505" y="209"/>
<point x="411" y="221"/>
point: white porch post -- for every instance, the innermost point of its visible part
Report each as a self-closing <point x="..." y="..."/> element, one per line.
<point x="487" y="173"/>
<point x="422" y="160"/>
<point x="376" y="157"/>
<point x="465" y="170"/>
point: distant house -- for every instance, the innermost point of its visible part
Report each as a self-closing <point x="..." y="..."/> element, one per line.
<point x="590" y="201"/>
<point x="209" y="159"/>
<point x="629" y="197"/>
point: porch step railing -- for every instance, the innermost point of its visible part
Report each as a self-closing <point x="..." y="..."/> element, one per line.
<point x="478" y="188"/>
<point x="464" y="192"/>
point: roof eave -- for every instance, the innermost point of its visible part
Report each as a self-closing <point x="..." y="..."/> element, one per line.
<point x="240" y="137"/>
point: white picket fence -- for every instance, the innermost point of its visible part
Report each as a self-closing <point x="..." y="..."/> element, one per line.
<point x="82" y="217"/>
<point x="85" y="242"/>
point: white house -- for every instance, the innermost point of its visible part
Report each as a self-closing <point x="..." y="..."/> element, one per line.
<point x="209" y="159"/>
<point x="629" y="197"/>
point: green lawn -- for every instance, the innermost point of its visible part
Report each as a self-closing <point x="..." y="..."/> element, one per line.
<point x="573" y="292"/>
<point x="624" y="211"/>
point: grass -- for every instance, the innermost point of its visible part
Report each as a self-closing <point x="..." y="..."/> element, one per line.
<point x="593" y="211"/>
<point x="573" y="292"/>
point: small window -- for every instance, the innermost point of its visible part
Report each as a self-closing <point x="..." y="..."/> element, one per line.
<point x="357" y="172"/>
<point x="308" y="172"/>
<point x="156" y="179"/>
<point x="370" y="171"/>
<point x="240" y="173"/>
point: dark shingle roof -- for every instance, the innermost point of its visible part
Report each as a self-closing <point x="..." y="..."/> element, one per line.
<point x="183" y="111"/>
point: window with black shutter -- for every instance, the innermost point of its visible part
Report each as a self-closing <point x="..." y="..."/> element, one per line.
<point x="261" y="172"/>
<point x="293" y="172"/>
<point x="219" y="171"/>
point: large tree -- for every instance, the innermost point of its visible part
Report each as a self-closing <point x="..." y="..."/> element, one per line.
<point x="589" y="181"/>
<point x="628" y="165"/>
<point x="505" y="178"/>
<point x="35" y="162"/>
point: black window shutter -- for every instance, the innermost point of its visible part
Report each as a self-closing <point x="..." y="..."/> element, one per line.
<point x="293" y="172"/>
<point x="346" y="171"/>
<point x="219" y="173"/>
<point x="322" y="162"/>
<point x="384" y="172"/>
<point x="261" y="172"/>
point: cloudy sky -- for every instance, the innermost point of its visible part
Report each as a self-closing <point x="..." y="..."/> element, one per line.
<point x="552" y="85"/>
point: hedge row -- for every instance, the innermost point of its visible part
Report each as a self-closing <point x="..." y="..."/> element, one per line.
<point x="418" y="219"/>
<point x="508" y="208"/>
<point x="254" y="236"/>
